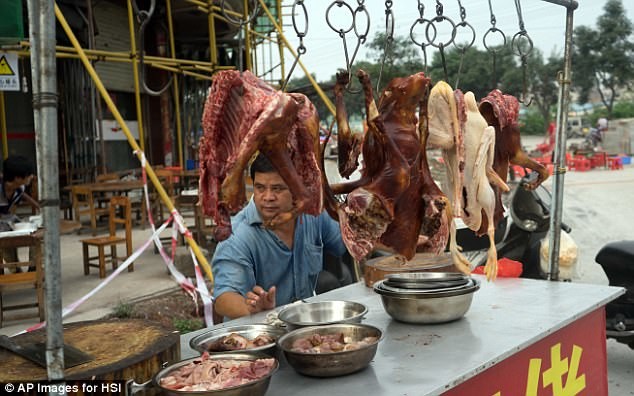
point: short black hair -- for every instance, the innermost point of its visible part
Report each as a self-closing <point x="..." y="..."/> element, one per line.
<point x="261" y="164"/>
<point x="16" y="166"/>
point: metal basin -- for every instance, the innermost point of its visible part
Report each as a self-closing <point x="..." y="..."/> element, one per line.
<point x="202" y="342"/>
<point x="253" y="388"/>
<point x="322" y="313"/>
<point x="331" y="364"/>
<point x="427" y="308"/>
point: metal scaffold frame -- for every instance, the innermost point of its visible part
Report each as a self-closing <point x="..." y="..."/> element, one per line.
<point x="43" y="53"/>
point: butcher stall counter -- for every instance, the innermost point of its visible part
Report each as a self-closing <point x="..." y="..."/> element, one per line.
<point x="520" y="336"/>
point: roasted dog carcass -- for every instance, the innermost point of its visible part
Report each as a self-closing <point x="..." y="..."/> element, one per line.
<point x="243" y="115"/>
<point x="395" y="198"/>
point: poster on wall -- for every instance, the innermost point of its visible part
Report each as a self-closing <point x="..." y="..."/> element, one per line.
<point x="113" y="131"/>
<point x="9" y="72"/>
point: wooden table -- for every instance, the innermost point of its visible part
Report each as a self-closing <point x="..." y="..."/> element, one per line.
<point x="91" y="190"/>
<point x="24" y="280"/>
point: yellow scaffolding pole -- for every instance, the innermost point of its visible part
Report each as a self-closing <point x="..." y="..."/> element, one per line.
<point x="3" y="126"/>
<point x="247" y="36"/>
<point x="177" y="105"/>
<point x="139" y="153"/>
<point x="212" y="35"/>
<point x="321" y="93"/>
<point x="135" y="73"/>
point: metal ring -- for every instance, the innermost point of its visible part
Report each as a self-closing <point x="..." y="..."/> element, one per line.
<point x="440" y="18"/>
<point x="421" y="21"/>
<point x="339" y="4"/>
<point x="493" y="30"/>
<point x="518" y="36"/>
<point x="473" y="35"/>
<point x="300" y="34"/>
<point x="239" y="22"/>
<point x="354" y="22"/>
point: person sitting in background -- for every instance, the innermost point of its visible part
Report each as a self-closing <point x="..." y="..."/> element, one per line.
<point x="17" y="174"/>
<point x="259" y="268"/>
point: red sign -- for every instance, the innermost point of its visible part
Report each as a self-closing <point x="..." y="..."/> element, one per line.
<point x="571" y="361"/>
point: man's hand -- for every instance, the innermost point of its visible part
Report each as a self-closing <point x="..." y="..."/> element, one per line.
<point x="260" y="300"/>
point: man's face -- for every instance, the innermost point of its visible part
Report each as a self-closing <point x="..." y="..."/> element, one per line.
<point x="271" y="195"/>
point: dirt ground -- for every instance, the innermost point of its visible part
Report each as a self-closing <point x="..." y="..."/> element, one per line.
<point x="175" y="311"/>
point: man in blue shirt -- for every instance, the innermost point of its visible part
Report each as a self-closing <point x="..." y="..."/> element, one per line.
<point x="259" y="268"/>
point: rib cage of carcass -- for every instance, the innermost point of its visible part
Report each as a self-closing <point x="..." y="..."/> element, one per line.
<point x="243" y="115"/>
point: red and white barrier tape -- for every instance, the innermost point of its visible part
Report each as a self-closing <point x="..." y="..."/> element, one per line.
<point x="184" y="282"/>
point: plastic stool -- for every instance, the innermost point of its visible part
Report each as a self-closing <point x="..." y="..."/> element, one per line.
<point x="615" y="163"/>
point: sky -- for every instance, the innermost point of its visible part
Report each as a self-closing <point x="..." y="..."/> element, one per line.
<point x="544" y="22"/>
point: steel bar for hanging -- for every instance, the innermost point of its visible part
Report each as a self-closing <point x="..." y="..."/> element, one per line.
<point x="137" y="150"/>
<point x="44" y="89"/>
<point x="554" y="233"/>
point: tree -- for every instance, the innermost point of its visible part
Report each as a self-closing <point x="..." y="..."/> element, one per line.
<point x="603" y="58"/>
<point x="543" y="83"/>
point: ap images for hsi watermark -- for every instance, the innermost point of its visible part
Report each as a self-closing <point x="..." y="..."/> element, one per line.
<point x="99" y="387"/>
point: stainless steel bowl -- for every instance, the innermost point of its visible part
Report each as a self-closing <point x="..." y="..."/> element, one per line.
<point x="202" y="342"/>
<point x="427" y="308"/>
<point x="322" y="313"/>
<point x="253" y="388"/>
<point x="331" y="364"/>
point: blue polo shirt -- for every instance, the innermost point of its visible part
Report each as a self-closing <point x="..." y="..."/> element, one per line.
<point x="254" y="255"/>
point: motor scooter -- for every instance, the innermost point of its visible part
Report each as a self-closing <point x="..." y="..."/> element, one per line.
<point x="519" y="235"/>
<point x="617" y="260"/>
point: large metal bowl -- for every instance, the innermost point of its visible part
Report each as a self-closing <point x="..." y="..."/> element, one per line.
<point x="427" y="308"/>
<point x="331" y="364"/>
<point x="253" y="388"/>
<point x="322" y="313"/>
<point x="202" y="342"/>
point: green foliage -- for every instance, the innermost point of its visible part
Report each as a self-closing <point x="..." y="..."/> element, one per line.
<point x="123" y="310"/>
<point x="620" y="110"/>
<point x="187" y="325"/>
<point x="532" y="123"/>
<point x="603" y="57"/>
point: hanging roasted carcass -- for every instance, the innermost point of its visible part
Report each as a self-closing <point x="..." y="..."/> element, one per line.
<point x="467" y="144"/>
<point x="243" y="115"/>
<point x="502" y="112"/>
<point x="395" y="203"/>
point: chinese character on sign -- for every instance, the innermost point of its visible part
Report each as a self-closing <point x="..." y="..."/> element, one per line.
<point x="562" y="375"/>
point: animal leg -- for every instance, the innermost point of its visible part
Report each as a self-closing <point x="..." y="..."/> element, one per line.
<point x="491" y="267"/>
<point x="458" y="259"/>
<point x="348" y="143"/>
<point x="522" y="159"/>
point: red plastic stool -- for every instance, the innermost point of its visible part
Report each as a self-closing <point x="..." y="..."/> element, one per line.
<point x="615" y="163"/>
<point x="580" y="163"/>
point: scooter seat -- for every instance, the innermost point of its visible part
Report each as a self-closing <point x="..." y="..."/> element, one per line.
<point x="617" y="259"/>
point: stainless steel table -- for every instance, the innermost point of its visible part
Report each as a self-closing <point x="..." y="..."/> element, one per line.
<point x="507" y="318"/>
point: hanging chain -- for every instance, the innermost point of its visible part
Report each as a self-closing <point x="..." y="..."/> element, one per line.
<point x="431" y="40"/>
<point x="421" y="21"/>
<point x="522" y="51"/>
<point x="389" y="39"/>
<point x="463" y="48"/>
<point x="301" y="49"/>
<point x="241" y="23"/>
<point x="492" y="50"/>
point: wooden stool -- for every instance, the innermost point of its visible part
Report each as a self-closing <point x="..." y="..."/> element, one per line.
<point x="111" y="240"/>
